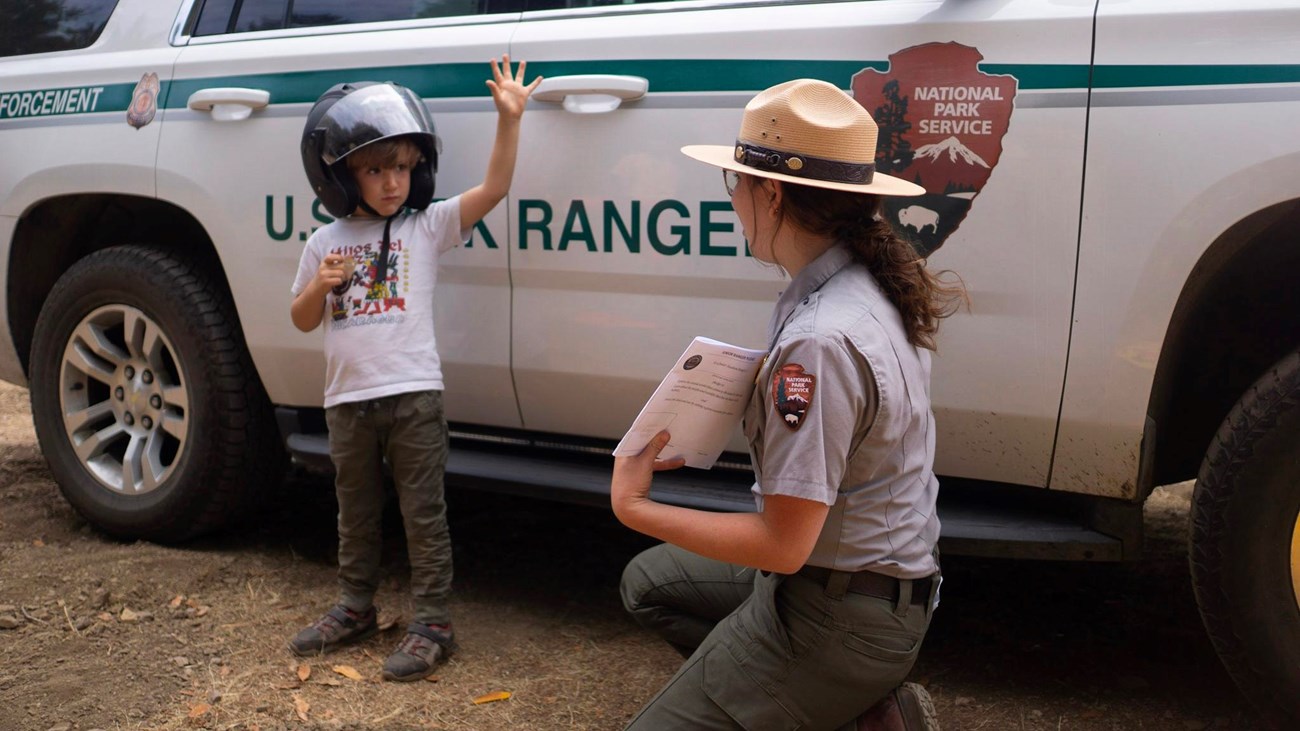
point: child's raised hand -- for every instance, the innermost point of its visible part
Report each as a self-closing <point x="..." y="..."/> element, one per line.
<point x="508" y="90"/>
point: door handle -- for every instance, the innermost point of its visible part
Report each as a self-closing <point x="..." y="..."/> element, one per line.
<point x="229" y="104"/>
<point x="591" y="93"/>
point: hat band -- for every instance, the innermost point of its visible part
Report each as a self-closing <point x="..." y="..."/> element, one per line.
<point x="803" y="166"/>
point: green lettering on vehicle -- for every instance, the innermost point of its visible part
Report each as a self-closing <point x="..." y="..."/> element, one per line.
<point x="577" y="227"/>
<point x="488" y="239"/>
<point x="282" y="235"/>
<point x="708" y="227"/>
<point x="542" y="225"/>
<point x="319" y="214"/>
<point x="683" y="244"/>
<point x="632" y="236"/>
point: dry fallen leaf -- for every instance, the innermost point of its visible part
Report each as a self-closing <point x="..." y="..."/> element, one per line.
<point x="347" y="671"/>
<point x="201" y="611"/>
<point x="389" y="624"/>
<point x="304" y="672"/>
<point x="331" y="682"/>
<point x="292" y="685"/>
<point x="105" y="617"/>
<point x="301" y="705"/>
<point x="192" y="603"/>
<point x="38" y="543"/>
<point x="499" y="695"/>
<point x="432" y="678"/>
<point x="199" y="710"/>
<point x="175" y="603"/>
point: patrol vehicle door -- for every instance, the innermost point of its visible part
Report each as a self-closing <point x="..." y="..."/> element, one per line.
<point x="246" y="79"/>
<point x="626" y="249"/>
<point x="65" y="107"/>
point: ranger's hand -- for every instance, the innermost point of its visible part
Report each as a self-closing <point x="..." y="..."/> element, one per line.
<point x="633" y="475"/>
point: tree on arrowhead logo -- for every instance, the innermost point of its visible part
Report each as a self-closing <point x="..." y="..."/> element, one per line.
<point x="941" y="122"/>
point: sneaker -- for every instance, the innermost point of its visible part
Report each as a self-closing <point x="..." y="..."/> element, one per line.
<point x="907" y="708"/>
<point x="340" y="626"/>
<point x="420" y="652"/>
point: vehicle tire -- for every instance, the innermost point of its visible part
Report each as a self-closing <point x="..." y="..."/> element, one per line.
<point x="146" y="403"/>
<point x="1245" y="543"/>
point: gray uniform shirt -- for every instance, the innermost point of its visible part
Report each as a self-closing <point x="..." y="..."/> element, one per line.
<point x="842" y="415"/>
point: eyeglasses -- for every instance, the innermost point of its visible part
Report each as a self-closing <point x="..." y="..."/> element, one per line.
<point x="730" y="179"/>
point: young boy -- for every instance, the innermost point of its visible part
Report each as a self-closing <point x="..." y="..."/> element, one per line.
<point x="371" y="154"/>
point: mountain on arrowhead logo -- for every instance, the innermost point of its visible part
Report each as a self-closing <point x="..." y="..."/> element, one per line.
<point x="955" y="149"/>
<point x="941" y="122"/>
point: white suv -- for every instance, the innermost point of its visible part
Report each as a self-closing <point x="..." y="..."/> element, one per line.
<point x="1118" y="182"/>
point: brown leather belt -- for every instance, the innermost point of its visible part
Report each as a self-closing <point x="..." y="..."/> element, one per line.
<point x="870" y="583"/>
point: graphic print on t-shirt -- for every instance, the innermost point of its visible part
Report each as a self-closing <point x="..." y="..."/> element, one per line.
<point x="363" y="299"/>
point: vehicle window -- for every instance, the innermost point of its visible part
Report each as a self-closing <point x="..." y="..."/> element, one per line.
<point x="42" y="26"/>
<point x="338" y="12"/>
<point x="215" y="18"/>
<point x="261" y="15"/>
<point x="233" y="16"/>
<point x="563" y="4"/>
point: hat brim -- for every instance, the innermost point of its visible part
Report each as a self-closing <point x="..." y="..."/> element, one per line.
<point x="723" y="156"/>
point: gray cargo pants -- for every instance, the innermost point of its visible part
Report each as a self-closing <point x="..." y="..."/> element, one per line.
<point x="410" y="431"/>
<point x="768" y="652"/>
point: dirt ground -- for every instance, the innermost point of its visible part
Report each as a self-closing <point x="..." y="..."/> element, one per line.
<point x="100" y="634"/>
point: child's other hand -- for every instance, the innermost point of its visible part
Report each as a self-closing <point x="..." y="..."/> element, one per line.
<point x="332" y="272"/>
<point x="508" y="90"/>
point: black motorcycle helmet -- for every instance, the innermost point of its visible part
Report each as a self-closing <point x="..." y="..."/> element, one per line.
<point x="351" y="116"/>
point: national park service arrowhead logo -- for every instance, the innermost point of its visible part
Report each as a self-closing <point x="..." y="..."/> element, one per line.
<point x="792" y="394"/>
<point x="144" y="101"/>
<point x="941" y="122"/>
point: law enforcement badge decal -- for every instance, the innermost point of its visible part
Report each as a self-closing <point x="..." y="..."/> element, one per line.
<point x="792" y="394"/>
<point x="144" y="101"/>
<point x="941" y="122"/>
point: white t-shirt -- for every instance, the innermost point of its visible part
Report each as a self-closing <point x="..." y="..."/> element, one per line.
<point x="379" y="337"/>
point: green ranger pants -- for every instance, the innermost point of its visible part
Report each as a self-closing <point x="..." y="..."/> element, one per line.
<point x="768" y="652"/>
<point x="410" y="431"/>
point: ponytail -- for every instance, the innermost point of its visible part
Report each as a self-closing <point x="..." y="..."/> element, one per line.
<point x="922" y="297"/>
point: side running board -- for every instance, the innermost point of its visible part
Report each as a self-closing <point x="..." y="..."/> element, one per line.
<point x="976" y="519"/>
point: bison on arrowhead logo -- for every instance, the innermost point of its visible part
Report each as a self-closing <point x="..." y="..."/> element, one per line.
<point x="941" y="122"/>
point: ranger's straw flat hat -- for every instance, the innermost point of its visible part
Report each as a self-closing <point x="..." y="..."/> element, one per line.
<point x="807" y="132"/>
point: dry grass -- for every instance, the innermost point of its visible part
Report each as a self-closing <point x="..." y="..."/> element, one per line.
<point x="1016" y="645"/>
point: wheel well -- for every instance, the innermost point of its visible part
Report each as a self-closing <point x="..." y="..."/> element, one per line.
<point x="1238" y="313"/>
<point x="57" y="232"/>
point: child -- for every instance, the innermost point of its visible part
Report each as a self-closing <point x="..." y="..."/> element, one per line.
<point x="370" y="153"/>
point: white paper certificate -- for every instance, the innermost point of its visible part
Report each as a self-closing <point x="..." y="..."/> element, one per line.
<point x="700" y="402"/>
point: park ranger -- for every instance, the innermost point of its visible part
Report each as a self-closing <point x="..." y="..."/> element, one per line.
<point x="810" y="612"/>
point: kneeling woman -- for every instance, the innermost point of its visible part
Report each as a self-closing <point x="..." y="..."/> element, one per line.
<point x="809" y="613"/>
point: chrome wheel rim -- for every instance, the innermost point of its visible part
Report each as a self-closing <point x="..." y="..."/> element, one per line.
<point x="124" y="399"/>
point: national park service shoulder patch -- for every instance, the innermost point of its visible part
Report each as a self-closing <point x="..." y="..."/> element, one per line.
<point x="792" y="394"/>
